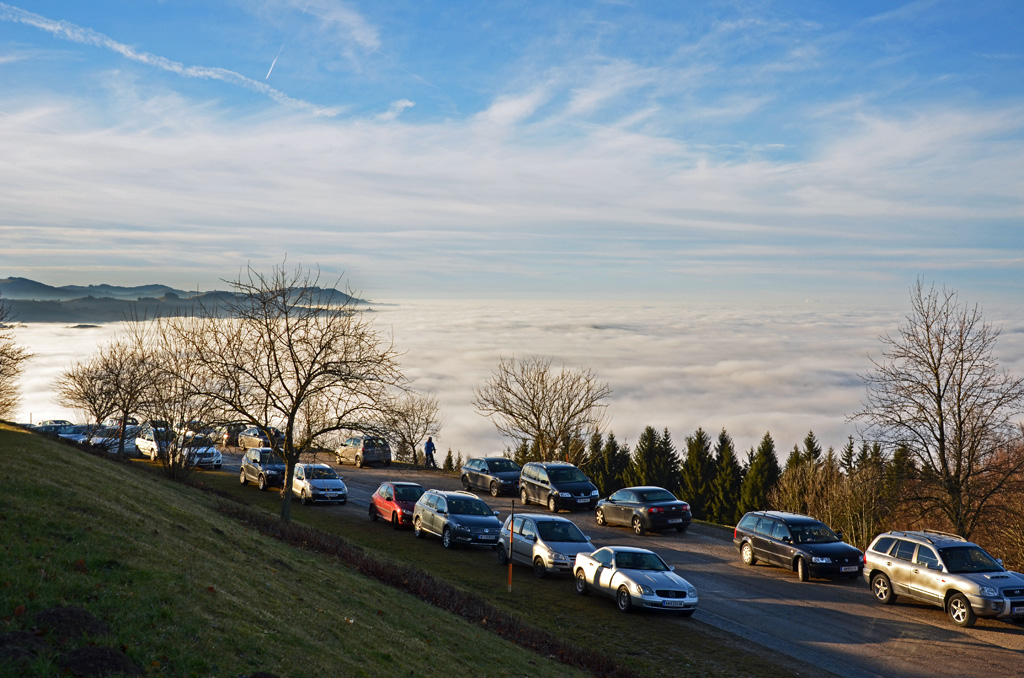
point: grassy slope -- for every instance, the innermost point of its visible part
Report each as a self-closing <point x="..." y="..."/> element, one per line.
<point x="187" y="591"/>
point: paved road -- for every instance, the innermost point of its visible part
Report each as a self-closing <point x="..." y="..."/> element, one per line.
<point x="836" y="626"/>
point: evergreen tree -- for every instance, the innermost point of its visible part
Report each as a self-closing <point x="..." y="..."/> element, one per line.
<point x="812" y="448"/>
<point x="458" y="462"/>
<point x="761" y="477"/>
<point x="725" y="488"/>
<point x="608" y="469"/>
<point x="449" y="462"/>
<point x="795" y="459"/>
<point x="697" y="473"/>
<point x="654" y="461"/>
<point x="848" y="457"/>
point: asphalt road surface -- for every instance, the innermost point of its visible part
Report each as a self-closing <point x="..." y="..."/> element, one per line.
<point x="834" y="625"/>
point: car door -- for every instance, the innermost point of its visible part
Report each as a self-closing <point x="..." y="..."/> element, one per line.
<point x="439" y="515"/>
<point x="541" y="487"/>
<point x="605" y="572"/>
<point x="900" y="563"/>
<point x="926" y="576"/>
<point x="760" y="538"/>
<point x="780" y="545"/>
<point x="299" y="479"/>
<point x="613" y="507"/>
<point x="523" y="541"/>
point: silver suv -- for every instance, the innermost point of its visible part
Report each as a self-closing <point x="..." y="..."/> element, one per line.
<point x="944" y="570"/>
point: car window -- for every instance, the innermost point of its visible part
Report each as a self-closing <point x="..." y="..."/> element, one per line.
<point x="960" y="559"/>
<point x="764" y="526"/>
<point x="442" y="504"/>
<point x="502" y="465"/>
<point x="529" y="529"/>
<point x="560" y="531"/>
<point x="323" y="473"/>
<point x="883" y="545"/>
<point x="569" y="474"/>
<point x="904" y="550"/>
<point x="408" y="493"/>
<point x="542" y="475"/>
<point x="605" y="557"/>
<point x="926" y="557"/>
<point x="469" y="507"/>
<point x="748" y="522"/>
<point x="517" y="525"/>
<point x="431" y="501"/>
<point x="299" y="473"/>
<point x="657" y="495"/>
<point x="812" y="533"/>
<point x="618" y="496"/>
<point x="779" y="531"/>
<point x="630" y="560"/>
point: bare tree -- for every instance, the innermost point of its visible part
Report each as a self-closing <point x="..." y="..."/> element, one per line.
<point x="12" y="362"/>
<point x="553" y="412"/>
<point x="129" y="369"/>
<point x="939" y="392"/>
<point x="85" y="388"/>
<point x="291" y="355"/>
<point x="412" y="418"/>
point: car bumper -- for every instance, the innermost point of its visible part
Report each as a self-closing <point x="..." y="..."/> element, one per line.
<point x="828" y="570"/>
<point x="576" y="504"/>
<point x="998" y="608"/>
<point x="665" y="604"/>
<point x="475" y="539"/>
<point x="339" y="497"/>
<point x="670" y="523"/>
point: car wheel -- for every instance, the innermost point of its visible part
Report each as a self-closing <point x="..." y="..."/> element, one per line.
<point x="373" y="512"/>
<point x="523" y="498"/>
<point x="262" y="482"/>
<point x="882" y="588"/>
<point x="495" y="489"/>
<point x="417" y="528"/>
<point x="502" y="554"/>
<point x="465" y="483"/>
<point x="960" y="611"/>
<point x="624" y="600"/>
<point x="599" y="516"/>
<point x="552" y="504"/>
<point x="241" y="476"/>
<point x="802" y="572"/>
<point x="447" y="540"/>
<point x="638" y="526"/>
<point x="582" y="587"/>
<point x="747" y="554"/>
<point x="303" y="498"/>
<point x="359" y="462"/>
<point x="394" y="521"/>
<point x="539" y="570"/>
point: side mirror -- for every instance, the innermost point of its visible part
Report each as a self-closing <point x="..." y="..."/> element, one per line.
<point x="671" y="568"/>
<point x="532" y="537"/>
<point x="1000" y="561"/>
<point x="497" y="513"/>
<point x="840" y="535"/>
<point x="788" y="540"/>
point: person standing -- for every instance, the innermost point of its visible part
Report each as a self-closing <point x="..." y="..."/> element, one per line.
<point x="428" y="451"/>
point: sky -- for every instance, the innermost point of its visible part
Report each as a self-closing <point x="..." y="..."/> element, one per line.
<point x="783" y="151"/>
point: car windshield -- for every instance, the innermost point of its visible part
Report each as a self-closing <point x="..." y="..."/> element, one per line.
<point x="962" y="559"/>
<point x="468" y="507"/>
<point x="408" y="493"/>
<point x="502" y="465"/>
<point x="632" y="560"/>
<point x="559" y="530"/>
<point x="198" y="441"/>
<point x="656" y="495"/>
<point x="321" y="473"/>
<point x="812" y="533"/>
<point x="270" y="458"/>
<point x="570" y="474"/>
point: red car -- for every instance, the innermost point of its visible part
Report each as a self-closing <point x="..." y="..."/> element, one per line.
<point x="394" y="502"/>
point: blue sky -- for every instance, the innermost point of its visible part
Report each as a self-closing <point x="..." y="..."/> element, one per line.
<point x="778" y="150"/>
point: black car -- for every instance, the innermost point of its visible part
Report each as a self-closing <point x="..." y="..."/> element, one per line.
<point x="227" y="435"/>
<point x="263" y="466"/>
<point x="254" y="437"/>
<point x="457" y="517"/>
<point x="495" y="474"/>
<point x="798" y="543"/>
<point x="644" y="508"/>
<point x="557" y="485"/>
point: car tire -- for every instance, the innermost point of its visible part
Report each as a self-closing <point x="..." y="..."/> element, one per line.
<point x="881" y="588"/>
<point x="747" y="554"/>
<point x="495" y="489"/>
<point x="502" y="554"/>
<point x="373" y="512"/>
<point x="599" y="516"/>
<point x="638" y="526"/>
<point x="447" y="540"/>
<point x="539" y="569"/>
<point x="524" y="499"/>
<point x="394" y="521"/>
<point x="241" y="476"/>
<point x="417" y="528"/>
<point x="960" y="611"/>
<point x="802" y="572"/>
<point x="359" y="461"/>
<point x="582" y="587"/>
<point x="261" y="482"/>
<point x="303" y="499"/>
<point x="465" y="483"/>
<point x="552" y="504"/>
<point x="624" y="600"/>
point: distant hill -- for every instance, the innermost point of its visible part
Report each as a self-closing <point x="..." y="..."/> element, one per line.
<point x="31" y="301"/>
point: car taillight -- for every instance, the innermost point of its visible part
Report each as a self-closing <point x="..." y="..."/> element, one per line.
<point x="655" y="509"/>
<point x="686" y="507"/>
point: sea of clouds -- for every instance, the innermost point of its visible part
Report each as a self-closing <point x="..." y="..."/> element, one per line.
<point x="749" y="369"/>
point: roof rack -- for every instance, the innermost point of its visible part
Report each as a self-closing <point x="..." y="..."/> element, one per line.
<point x="924" y="534"/>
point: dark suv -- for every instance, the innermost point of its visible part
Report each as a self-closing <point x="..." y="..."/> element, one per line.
<point x="798" y="543"/>
<point x="262" y="465"/>
<point x="494" y="474"/>
<point x="558" y="485"/>
<point x="457" y="517"/>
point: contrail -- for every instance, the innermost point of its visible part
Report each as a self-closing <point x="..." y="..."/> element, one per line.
<point x="275" y="60"/>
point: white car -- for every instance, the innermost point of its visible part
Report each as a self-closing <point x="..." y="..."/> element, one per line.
<point x="634" y="578"/>
<point x="107" y="438"/>
<point x="198" y="450"/>
<point x="318" y="482"/>
<point x="152" y="442"/>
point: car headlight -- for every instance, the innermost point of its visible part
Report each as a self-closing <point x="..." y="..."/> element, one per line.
<point x="565" y="495"/>
<point x="987" y="591"/>
<point x="462" y="528"/>
<point x="594" y="493"/>
<point x="559" y="556"/>
<point x="692" y="592"/>
<point x="642" y="590"/>
<point x="821" y="560"/>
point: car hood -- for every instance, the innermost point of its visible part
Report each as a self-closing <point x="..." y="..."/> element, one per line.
<point x="656" y="580"/>
<point x="576" y="488"/>
<point x="836" y="549"/>
<point x="507" y="476"/>
<point x="476" y="521"/>
<point x="570" y="548"/>
<point x="204" y="451"/>
<point x="997" y="579"/>
<point x="328" y="484"/>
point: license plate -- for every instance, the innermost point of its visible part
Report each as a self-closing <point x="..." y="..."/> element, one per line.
<point x="1018" y="610"/>
<point x="848" y="568"/>
<point x="488" y="537"/>
<point x="673" y="603"/>
<point x="675" y="520"/>
<point x="582" y="501"/>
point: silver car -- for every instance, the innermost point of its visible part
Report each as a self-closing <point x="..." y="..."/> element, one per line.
<point x="318" y="483"/>
<point x="547" y="543"/>
<point x="634" y="578"/>
<point x="944" y="570"/>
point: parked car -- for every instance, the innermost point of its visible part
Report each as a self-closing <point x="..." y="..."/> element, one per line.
<point x="362" y="450"/>
<point x="76" y="433"/>
<point x="634" y="578"/>
<point x="944" y="570"/>
<point x="262" y="466"/>
<point x="107" y="437"/>
<point x="557" y="485"/>
<point x="457" y="517"/>
<point x="796" y="542"/>
<point x="199" y="451"/>
<point x="644" y="508"/>
<point x="49" y="429"/>
<point x="318" y="483"/>
<point x="227" y="435"/>
<point x="395" y="502"/>
<point x="116" y="421"/>
<point x="494" y="474"/>
<point x="54" y="422"/>
<point x="253" y="437"/>
<point x="153" y="442"/>
<point x="547" y="543"/>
